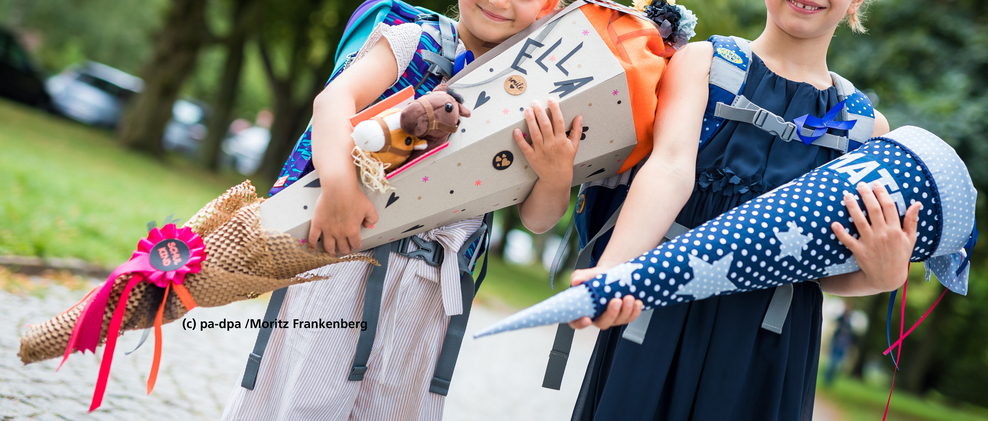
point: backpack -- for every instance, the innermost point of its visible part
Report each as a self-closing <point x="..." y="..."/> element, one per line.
<point x="433" y="60"/>
<point x="599" y="202"/>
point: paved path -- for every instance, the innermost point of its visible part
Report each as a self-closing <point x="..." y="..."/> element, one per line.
<point x="496" y="378"/>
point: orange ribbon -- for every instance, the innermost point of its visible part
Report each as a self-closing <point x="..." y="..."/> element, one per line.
<point x="186" y="298"/>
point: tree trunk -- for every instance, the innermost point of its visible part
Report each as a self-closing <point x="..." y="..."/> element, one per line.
<point x="286" y="110"/>
<point x="288" y="126"/>
<point x="285" y="130"/>
<point x="176" y="49"/>
<point x="243" y="18"/>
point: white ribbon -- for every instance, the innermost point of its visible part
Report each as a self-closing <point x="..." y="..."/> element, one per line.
<point x="451" y="237"/>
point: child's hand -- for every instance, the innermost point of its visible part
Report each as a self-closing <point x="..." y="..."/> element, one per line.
<point x="619" y="311"/>
<point x="551" y="153"/>
<point x="884" y="246"/>
<point x="339" y="213"/>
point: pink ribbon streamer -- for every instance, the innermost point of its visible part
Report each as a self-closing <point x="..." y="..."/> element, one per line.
<point x="86" y="332"/>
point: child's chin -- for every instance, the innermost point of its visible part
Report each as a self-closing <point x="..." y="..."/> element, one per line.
<point x="495" y="37"/>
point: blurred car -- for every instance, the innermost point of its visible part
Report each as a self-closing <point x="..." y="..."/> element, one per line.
<point x="187" y="128"/>
<point x="93" y="93"/>
<point x="20" y="80"/>
<point x="246" y="149"/>
<point x="96" y="94"/>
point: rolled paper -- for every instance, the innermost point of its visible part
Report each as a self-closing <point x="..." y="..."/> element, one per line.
<point x="784" y="235"/>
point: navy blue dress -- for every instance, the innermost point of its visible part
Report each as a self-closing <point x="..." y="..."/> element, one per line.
<point x="710" y="359"/>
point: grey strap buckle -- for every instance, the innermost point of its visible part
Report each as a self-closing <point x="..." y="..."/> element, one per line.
<point x="439" y="65"/>
<point x="430" y="251"/>
<point x="774" y="124"/>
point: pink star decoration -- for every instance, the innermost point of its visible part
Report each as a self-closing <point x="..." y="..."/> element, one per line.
<point x="505" y="111"/>
<point x="425" y="179"/>
<point x="615" y="92"/>
<point x="477" y="183"/>
<point x="586" y="32"/>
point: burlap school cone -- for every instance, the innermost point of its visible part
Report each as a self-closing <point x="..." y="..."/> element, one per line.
<point x="243" y="261"/>
<point x="784" y="236"/>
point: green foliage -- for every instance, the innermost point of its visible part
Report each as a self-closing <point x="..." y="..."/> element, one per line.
<point x="116" y="33"/>
<point x="961" y="357"/>
<point x="516" y="286"/>
<point x="745" y="19"/>
<point x="928" y="63"/>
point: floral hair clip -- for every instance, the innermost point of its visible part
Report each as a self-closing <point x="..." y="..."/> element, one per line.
<point x="677" y="24"/>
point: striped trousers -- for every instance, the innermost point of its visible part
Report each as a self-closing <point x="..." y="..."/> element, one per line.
<point x="303" y="375"/>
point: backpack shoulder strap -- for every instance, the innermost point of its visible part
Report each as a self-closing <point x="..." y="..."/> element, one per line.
<point x="442" y="30"/>
<point x="728" y="72"/>
<point x="363" y="21"/>
<point x="857" y="107"/>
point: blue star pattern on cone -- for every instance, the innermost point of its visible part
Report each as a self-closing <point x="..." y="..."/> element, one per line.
<point x="784" y="236"/>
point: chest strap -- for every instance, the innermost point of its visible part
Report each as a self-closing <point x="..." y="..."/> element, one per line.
<point x="745" y="111"/>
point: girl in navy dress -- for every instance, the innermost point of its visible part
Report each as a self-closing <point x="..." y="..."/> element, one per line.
<point x="712" y="359"/>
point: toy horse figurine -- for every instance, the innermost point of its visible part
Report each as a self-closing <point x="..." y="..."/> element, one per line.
<point x="385" y="139"/>
<point x="433" y="117"/>
<point x="395" y="135"/>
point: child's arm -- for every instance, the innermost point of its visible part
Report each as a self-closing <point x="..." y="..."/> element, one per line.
<point x="665" y="181"/>
<point x="884" y="245"/>
<point x="551" y="156"/>
<point x="342" y="207"/>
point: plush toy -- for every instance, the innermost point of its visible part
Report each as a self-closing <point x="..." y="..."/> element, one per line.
<point x="384" y="139"/>
<point x="396" y="135"/>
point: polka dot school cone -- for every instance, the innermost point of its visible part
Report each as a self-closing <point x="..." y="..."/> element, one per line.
<point x="784" y="236"/>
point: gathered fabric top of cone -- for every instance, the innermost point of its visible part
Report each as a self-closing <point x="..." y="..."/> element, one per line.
<point x="243" y="261"/>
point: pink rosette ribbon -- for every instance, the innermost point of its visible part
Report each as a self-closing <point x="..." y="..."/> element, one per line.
<point x="163" y="258"/>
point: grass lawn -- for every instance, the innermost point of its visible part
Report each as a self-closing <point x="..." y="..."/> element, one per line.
<point x="72" y="191"/>
<point x="861" y="401"/>
<point x="516" y="286"/>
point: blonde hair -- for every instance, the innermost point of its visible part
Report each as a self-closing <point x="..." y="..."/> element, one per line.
<point x="854" y="20"/>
